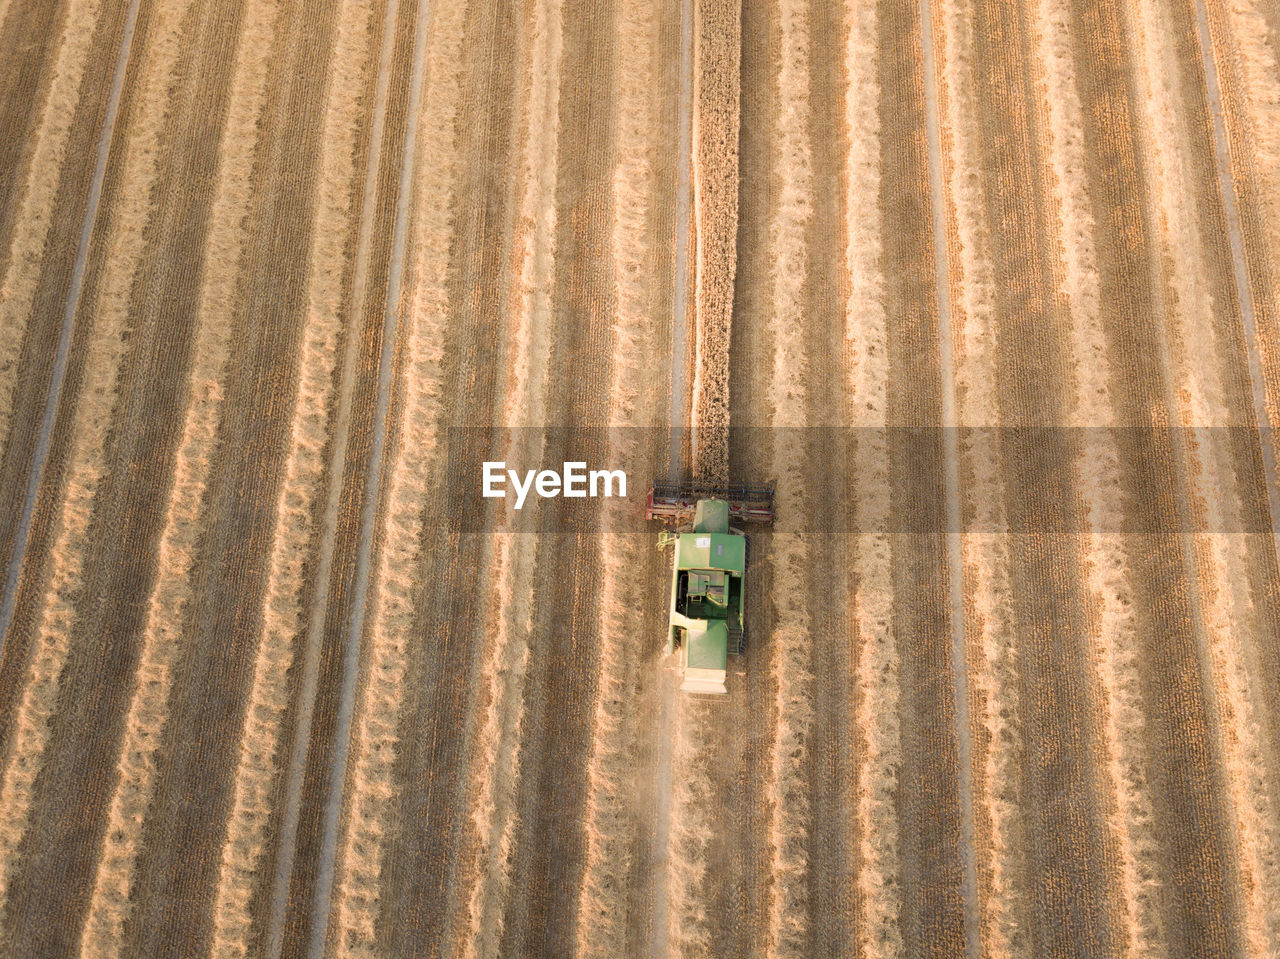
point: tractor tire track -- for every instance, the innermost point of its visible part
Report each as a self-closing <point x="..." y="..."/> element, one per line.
<point x="123" y="249"/>
<point x="1182" y="265"/>
<point x="385" y="874"/>
<point x="30" y="212"/>
<point x="370" y="503"/>
<point x="991" y="628"/>
<point x="951" y="915"/>
<point x="1243" y="289"/>
<point x="363" y="307"/>
<point x="255" y="777"/>
<point x="1237" y="42"/>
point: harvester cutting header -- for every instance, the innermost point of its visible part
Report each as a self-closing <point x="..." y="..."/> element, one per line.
<point x="707" y="612"/>
<point x="675" y="503"/>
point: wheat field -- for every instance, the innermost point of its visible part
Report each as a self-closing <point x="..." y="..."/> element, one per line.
<point x="987" y="291"/>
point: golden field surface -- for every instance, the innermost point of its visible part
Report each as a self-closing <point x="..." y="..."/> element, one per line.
<point x="986" y="290"/>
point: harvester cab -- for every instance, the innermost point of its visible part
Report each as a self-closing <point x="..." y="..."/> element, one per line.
<point x="707" y="612"/>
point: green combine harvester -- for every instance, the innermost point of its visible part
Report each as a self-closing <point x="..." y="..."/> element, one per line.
<point x="708" y="574"/>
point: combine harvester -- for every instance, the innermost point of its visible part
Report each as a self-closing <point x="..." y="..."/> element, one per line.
<point x="708" y="573"/>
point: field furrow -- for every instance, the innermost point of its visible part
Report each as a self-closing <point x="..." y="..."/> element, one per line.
<point x="104" y="350"/>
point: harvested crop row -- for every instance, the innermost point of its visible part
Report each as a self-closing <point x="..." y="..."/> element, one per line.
<point x="787" y="786"/>
<point x="877" y="678"/>
<point x="786" y="783"/>
<point x="689" y="834"/>
<point x="990" y="623"/>
<point x="1071" y="905"/>
<point x="1229" y="609"/>
<point x="1261" y="59"/>
<point x="506" y="658"/>
<point x="104" y="351"/>
<point x="717" y="30"/>
<point x="688" y="930"/>
<point x="634" y="394"/>
<point x="1241" y="725"/>
<point x="833" y="740"/>
<point x="499" y="748"/>
<point x="162" y="635"/>
<point x="879" y="874"/>
<point x="257" y="768"/>
<point x="1114" y="631"/>
<point x="414" y="475"/>
<point x="1183" y="261"/>
<point x="40" y="193"/>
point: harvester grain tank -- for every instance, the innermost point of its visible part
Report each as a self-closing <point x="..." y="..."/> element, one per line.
<point x="707" y="611"/>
